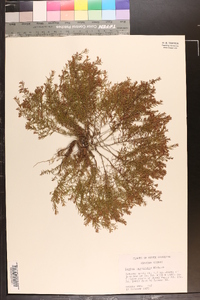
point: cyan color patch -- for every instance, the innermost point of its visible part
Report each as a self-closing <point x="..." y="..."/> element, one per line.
<point x="108" y="4"/>
<point x="108" y="14"/>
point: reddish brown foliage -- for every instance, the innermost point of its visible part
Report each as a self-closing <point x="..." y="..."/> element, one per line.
<point x="119" y="145"/>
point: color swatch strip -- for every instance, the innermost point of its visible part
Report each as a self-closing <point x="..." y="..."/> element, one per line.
<point x="67" y="10"/>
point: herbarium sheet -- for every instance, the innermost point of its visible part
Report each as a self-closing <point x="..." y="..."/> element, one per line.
<point x="96" y="165"/>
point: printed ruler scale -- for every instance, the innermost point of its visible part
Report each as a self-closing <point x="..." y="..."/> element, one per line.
<point x="67" y="28"/>
<point x="67" y="17"/>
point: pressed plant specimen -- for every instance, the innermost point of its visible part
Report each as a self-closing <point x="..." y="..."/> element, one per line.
<point x="118" y="145"/>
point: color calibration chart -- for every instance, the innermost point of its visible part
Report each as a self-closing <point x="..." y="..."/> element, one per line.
<point x="67" y="17"/>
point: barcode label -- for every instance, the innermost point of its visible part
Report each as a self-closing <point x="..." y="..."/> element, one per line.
<point x="14" y="276"/>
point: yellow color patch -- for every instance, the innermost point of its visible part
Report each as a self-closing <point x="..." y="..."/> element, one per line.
<point x="80" y="4"/>
<point x="81" y="15"/>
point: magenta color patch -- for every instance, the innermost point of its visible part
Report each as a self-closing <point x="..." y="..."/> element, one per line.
<point x="53" y="16"/>
<point x="123" y="14"/>
<point x="53" y="6"/>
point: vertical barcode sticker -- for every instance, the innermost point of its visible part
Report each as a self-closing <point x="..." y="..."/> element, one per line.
<point x="14" y="276"/>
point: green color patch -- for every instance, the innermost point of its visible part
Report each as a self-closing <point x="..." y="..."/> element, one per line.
<point x="94" y="15"/>
<point x="94" y="5"/>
